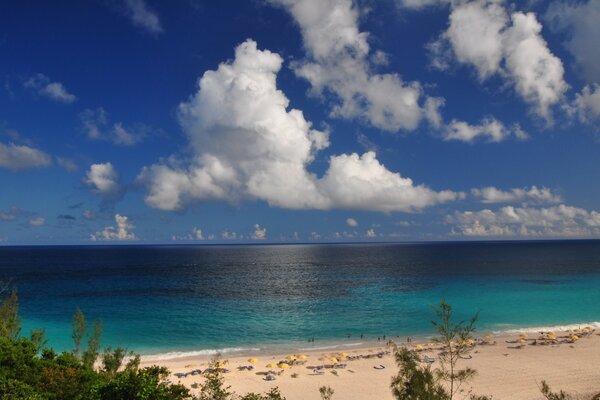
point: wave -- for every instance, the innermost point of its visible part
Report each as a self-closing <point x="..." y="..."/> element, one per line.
<point x="207" y="352"/>
<point x="334" y="346"/>
<point x="534" y="329"/>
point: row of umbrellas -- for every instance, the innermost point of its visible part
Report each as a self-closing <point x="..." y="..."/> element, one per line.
<point x="282" y="365"/>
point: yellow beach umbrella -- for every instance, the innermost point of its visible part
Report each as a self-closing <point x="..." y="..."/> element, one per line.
<point x="343" y="354"/>
<point x="418" y="347"/>
<point x="522" y="341"/>
<point x="574" y="338"/>
<point x="302" y="357"/>
<point x="221" y="364"/>
<point x="252" y="360"/>
<point x="271" y="365"/>
<point x="333" y="359"/>
<point x="523" y="335"/>
<point x="291" y="357"/>
<point x="283" y="366"/>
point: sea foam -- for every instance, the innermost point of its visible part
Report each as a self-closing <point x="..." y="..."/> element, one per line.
<point x="207" y="352"/>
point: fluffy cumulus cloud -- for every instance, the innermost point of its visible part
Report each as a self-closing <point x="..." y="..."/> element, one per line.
<point x="481" y="33"/>
<point x="489" y="129"/>
<point x="534" y="194"/>
<point x="97" y="127"/>
<point x="143" y="17"/>
<point x="556" y="221"/>
<point x="120" y="232"/>
<point x="17" y="157"/>
<point x="259" y="233"/>
<point x="247" y="144"/>
<point x="43" y="86"/>
<point x="580" y="21"/>
<point x="339" y="63"/>
<point x="103" y="179"/>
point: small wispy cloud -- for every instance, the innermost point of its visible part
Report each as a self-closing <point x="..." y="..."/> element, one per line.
<point x="143" y="17"/>
<point x="43" y="86"/>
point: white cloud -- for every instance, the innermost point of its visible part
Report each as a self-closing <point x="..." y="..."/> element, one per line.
<point x="104" y="181"/>
<point x="143" y="17"/>
<point x="475" y="34"/>
<point x="338" y="64"/>
<point x="371" y="233"/>
<point x="56" y="91"/>
<point x="363" y="183"/>
<point x="556" y="221"/>
<point x="38" y="221"/>
<point x="352" y="222"/>
<point x="489" y="128"/>
<point x="17" y="157"/>
<point x="248" y="145"/>
<point x="259" y="233"/>
<point x="580" y="21"/>
<point x="197" y="233"/>
<point x="492" y="195"/>
<point x="11" y="215"/>
<point x="587" y="104"/>
<point x="419" y="4"/>
<point x="121" y="232"/>
<point x="229" y="235"/>
<point x="96" y="125"/>
<point x="481" y="34"/>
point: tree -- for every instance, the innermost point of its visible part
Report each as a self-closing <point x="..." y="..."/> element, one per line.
<point x="414" y="382"/>
<point x="10" y="322"/>
<point x="326" y="392"/>
<point x="142" y="384"/>
<point x="91" y="353"/>
<point x="80" y="326"/>
<point x="456" y="340"/>
<point x="214" y="387"/>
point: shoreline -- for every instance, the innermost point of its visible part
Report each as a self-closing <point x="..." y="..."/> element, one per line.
<point x="352" y="343"/>
<point x="505" y="370"/>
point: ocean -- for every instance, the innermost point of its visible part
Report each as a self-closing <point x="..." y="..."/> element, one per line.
<point x="201" y="299"/>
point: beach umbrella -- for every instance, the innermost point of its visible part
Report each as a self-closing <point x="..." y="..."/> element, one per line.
<point x="574" y="338"/>
<point x="333" y="359"/>
<point x="221" y="364"/>
<point x="252" y="360"/>
<point x="291" y="357"/>
<point x="302" y="357"/>
<point x="418" y="347"/>
<point x="283" y="366"/>
<point x="343" y="354"/>
<point x="523" y="335"/>
<point x="522" y="341"/>
<point x="271" y="365"/>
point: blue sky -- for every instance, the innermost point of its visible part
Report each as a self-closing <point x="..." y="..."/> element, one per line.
<point x="139" y="121"/>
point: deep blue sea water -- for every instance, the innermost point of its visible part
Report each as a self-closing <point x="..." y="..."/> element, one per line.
<point x="157" y="299"/>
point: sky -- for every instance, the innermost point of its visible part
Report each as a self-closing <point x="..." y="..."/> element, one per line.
<point x="202" y="121"/>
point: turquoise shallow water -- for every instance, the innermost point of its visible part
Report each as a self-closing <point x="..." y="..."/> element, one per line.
<point x="164" y="299"/>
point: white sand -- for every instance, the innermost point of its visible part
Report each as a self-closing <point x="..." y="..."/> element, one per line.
<point x="502" y="371"/>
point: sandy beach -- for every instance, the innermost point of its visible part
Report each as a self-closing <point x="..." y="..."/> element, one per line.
<point x="504" y="370"/>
